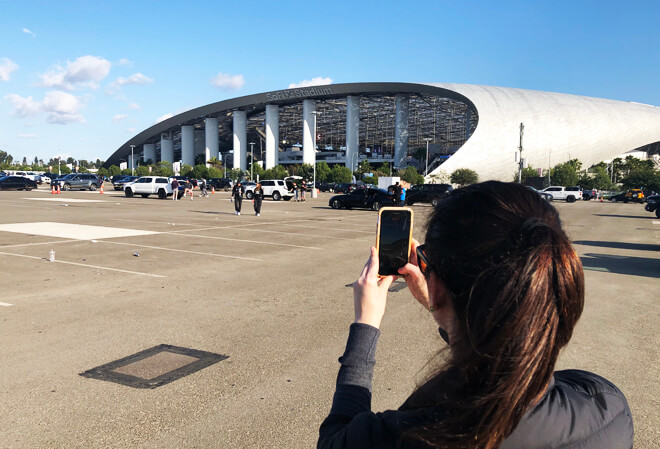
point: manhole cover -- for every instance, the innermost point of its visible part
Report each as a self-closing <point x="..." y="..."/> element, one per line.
<point x="154" y="367"/>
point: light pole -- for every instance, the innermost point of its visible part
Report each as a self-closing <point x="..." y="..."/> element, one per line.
<point x="314" y="148"/>
<point x="132" y="161"/>
<point x="428" y="139"/>
<point x="251" y="159"/>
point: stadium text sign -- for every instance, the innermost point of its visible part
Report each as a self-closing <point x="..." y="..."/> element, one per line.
<point x="298" y="93"/>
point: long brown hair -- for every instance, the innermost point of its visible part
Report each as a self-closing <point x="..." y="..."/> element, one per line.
<point x="517" y="287"/>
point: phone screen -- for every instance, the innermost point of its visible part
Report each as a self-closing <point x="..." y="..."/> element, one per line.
<point x="394" y="232"/>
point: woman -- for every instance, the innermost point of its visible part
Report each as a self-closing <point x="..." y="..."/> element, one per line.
<point x="258" y="197"/>
<point x="500" y="277"/>
<point x="237" y="195"/>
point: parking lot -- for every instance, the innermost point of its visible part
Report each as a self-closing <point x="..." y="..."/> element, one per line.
<point x="272" y="293"/>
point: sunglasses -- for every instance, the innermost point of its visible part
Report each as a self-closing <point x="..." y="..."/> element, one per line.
<point x="423" y="260"/>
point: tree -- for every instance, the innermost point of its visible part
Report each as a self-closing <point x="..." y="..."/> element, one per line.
<point x="410" y="175"/>
<point x="235" y="173"/>
<point x="323" y="171"/>
<point x="464" y="177"/>
<point x="163" y="168"/>
<point x="200" y="171"/>
<point x="103" y="172"/>
<point x="341" y="174"/>
<point x="215" y="163"/>
<point x="363" y="167"/>
<point x="564" y="174"/>
<point x="642" y="178"/>
<point x="186" y="170"/>
<point x="142" y="170"/>
<point x="528" y="172"/>
<point x="306" y="171"/>
<point x="6" y="158"/>
<point x="113" y="170"/>
<point x="277" y="172"/>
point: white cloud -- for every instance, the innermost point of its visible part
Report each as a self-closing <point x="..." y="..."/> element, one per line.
<point x="27" y="31"/>
<point x="60" y="107"/>
<point x="130" y="130"/>
<point x="6" y="67"/>
<point x="124" y="61"/>
<point x="119" y="117"/>
<point x="164" y="117"/>
<point x="228" y="82"/>
<point x="23" y="107"/>
<point x="318" y="81"/>
<point x="84" y="71"/>
<point x="27" y="136"/>
<point x="133" y="106"/>
<point x="136" y="78"/>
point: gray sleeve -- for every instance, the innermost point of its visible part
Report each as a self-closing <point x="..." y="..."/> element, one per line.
<point x="357" y="363"/>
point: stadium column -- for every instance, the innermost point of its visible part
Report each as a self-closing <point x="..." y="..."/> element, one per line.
<point x="309" y="139"/>
<point x="166" y="148"/>
<point x="352" y="131"/>
<point x="272" y="134"/>
<point x="211" y="138"/>
<point x="240" y="139"/>
<point x="188" y="145"/>
<point x="149" y="152"/>
<point x="401" y="131"/>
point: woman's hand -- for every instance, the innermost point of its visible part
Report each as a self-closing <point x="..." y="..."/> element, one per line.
<point x="370" y="293"/>
<point x="414" y="277"/>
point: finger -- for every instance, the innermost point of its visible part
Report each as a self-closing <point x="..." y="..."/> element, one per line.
<point x="386" y="281"/>
<point x="409" y="269"/>
<point x="413" y="251"/>
<point x="372" y="269"/>
<point x="365" y="269"/>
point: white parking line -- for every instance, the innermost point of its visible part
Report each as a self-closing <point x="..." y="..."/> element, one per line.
<point x="38" y="243"/>
<point x="85" y="265"/>
<point x="656" y="222"/>
<point x="5" y="304"/>
<point x="244" y="241"/>
<point x="238" y="228"/>
<point x="178" y="250"/>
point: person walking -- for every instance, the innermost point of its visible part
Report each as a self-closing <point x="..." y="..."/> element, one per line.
<point x="506" y="288"/>
<point x="258" y="198"/>
<point x="402" y="198"/>
<point x="188" y="189"/>
<point x="295" y="192"/>
<point x="303" y="187"/>
<point x="397" y="193"/>
<point x="175" y="190"/>
<point x="237" y="195"/>
<point x="202" y="187"/>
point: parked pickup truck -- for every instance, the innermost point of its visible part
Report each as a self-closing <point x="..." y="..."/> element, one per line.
<point x="149" y="185"/>
<point x="570" y="194"/>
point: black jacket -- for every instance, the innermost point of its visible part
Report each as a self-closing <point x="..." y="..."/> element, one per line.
<point x="579" y="409"/>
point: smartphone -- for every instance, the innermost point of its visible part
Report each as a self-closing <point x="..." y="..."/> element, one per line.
<point x="393" y="239"/>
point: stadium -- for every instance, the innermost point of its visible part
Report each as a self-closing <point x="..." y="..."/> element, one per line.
<point x="484" y="128"/>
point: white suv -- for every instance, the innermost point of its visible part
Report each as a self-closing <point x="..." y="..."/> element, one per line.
<point x="149" y="185"/>
<point x="272" y="187"/>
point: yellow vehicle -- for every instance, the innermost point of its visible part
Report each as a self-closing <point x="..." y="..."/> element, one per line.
<point x="636" y="195"/>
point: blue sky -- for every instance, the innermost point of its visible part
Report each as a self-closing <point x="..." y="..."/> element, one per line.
<point x="80" y="78"/>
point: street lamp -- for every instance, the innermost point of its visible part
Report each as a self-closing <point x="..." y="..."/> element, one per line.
<point x="428" y="139"/>
<point x="251" y="160"/>
<point x="314" y="148"/>
<point x="132" y="161"/>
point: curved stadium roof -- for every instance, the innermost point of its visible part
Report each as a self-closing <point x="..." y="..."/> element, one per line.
<point x="477" y="126"/>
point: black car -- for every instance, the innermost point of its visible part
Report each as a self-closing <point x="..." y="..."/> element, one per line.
<point x="17" y="183"/>
<point x="653" y="204"/>
<point x="220" y="183"/>
<point x="324" y="186"/>
<point x="345" y="187"/>
<point x="618" y="197"/>
<point x="372" y="199"/>
<point x="427" y="193"/>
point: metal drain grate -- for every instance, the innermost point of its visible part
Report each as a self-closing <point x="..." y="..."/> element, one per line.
<point x="154" y="367"/>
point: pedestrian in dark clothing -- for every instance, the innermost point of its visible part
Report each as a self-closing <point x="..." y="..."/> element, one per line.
<point x="202" y="187"/>
<point x="237" y="195"/>
<point x="506" y="288"/>
<point x="258" y="198"/>
<point x="175" y="189"/>
<point x="397" y="193"/>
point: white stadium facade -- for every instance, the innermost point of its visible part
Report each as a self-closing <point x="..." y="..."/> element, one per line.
<point x="461" y="126"/>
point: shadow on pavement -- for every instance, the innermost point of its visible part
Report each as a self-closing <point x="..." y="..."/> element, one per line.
<point x="619" y="245"/>
<point x="635" y="266"/>
<point x="624" y="216"/>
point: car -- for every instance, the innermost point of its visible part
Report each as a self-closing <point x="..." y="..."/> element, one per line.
<point x="17" y="183"/>
<point x="119" y="182"/>
<point x="544" y="195"/>
<point x="220" y="183"/>
<point x="563" y="193"/>
<point x="427" y="193"/>
<point x="618" y="197"/>
<point x="324" y="186"/>
<point x="149" y="185"/>
<point x="345" y="187"/>
<point x="653" y="204"/>
<point x="368" y="198"/>
<point x="634" y="195"/>
<point x="274" y="188"/>
<point x="80" y="181"/>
